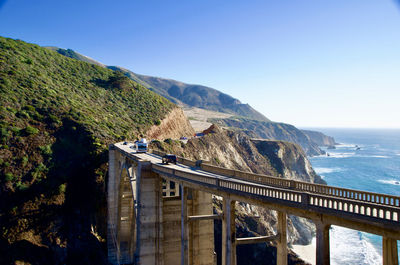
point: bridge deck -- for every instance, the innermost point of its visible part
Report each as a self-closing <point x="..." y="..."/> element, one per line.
<point x="365" y="211"/>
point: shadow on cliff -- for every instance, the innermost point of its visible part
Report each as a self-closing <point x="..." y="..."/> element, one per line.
<point x="77" y="161"/>
<point x="64" y="222"/>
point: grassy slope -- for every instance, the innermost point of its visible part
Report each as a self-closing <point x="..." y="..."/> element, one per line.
<point x="178" y="92"/>
<point x="57" y="116"/>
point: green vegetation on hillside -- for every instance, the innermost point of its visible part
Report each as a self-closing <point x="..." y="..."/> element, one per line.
<point x="57" y="116"/>
<point x="178" y="92"/>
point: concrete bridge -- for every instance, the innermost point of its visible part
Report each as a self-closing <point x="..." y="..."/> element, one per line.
<point x="163" y="214"/>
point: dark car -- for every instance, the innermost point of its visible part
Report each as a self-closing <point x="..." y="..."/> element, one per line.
<point x="169" y="158"/>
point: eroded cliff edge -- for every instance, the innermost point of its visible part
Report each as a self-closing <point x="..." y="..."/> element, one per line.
<point x="174" y="125"/>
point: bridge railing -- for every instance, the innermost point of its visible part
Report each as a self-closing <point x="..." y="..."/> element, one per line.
<point x="377" y="198"/>
<point x="306" y="199"/>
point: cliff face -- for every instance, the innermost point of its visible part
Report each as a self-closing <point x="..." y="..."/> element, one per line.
<point x="288" y="159"/>
<point x="272" y="131"/>
<point x="174" y="125"/>
<point x="319" y="138"/>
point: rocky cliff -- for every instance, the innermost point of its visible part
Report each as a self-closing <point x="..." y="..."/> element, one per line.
<point x="319" y="138"/>
<point x="288" y="159"/>
<point x="271" y="131"/>
<point x="174" y="125"/>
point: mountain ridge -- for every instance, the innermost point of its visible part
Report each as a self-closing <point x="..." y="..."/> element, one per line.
<point x="244" y="116"/>
<point x="179" y="92"/>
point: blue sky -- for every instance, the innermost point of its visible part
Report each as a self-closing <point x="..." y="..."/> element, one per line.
<point x="308" y="63"/>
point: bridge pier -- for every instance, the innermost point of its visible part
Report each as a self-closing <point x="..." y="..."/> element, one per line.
<point x="149" y="249"/>
<point x="184" y="227"/>
<point x="228" y="232"/>
<point x="322" y="248"/>
<point x="281" y="248"/>
<point x="197" y="234"/>
<point x="390" y="252"/>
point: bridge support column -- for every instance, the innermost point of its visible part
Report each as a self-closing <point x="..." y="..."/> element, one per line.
<point x="390" y="252"/>
<point x="322" y="248"/>
<point x="112" y="205"/>
<point x="281" y="249"/>
<point x="184" y="227"/>
<point x="228" y="233"/>
<point x="149" y="234"/>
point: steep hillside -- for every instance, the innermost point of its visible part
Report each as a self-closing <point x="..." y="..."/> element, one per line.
<point x="73" y="54"/>
<point x="57" y="117"/>
<point x="174" y="125"/>
<point x="271" y="131"/>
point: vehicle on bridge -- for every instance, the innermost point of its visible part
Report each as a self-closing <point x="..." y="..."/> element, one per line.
<point x="141" y="146"/>
<point x="169" y="158"/>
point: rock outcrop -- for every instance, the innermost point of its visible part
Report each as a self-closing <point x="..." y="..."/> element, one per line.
<point x="319" y="138"/>
<point x="174" y="125"/>
<point x="289" y="160"/>
<point x="271" y="131"/>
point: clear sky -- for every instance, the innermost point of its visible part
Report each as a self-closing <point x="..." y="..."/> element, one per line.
<point x="307" y="63"/>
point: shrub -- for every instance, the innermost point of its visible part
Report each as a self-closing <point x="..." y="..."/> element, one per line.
<point x="62" y="188"/>
<point x="29" y="130"/>
<point x="4" y="133"/>
<point x="8" y="176"/>
<point x="54" y="118"/>
<point x="15" y="130"/>
<point x="22" y="186"/>
<point x="157" y="122"/>
<point x="46" y="150"/>
<point x="30" y="108"/>
<point x="23" y="114"/>
<point x="24" y="161"/>
<point x="28" y="61"/>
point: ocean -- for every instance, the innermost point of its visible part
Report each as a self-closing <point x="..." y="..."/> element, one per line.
<point x="365" y="159"/>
